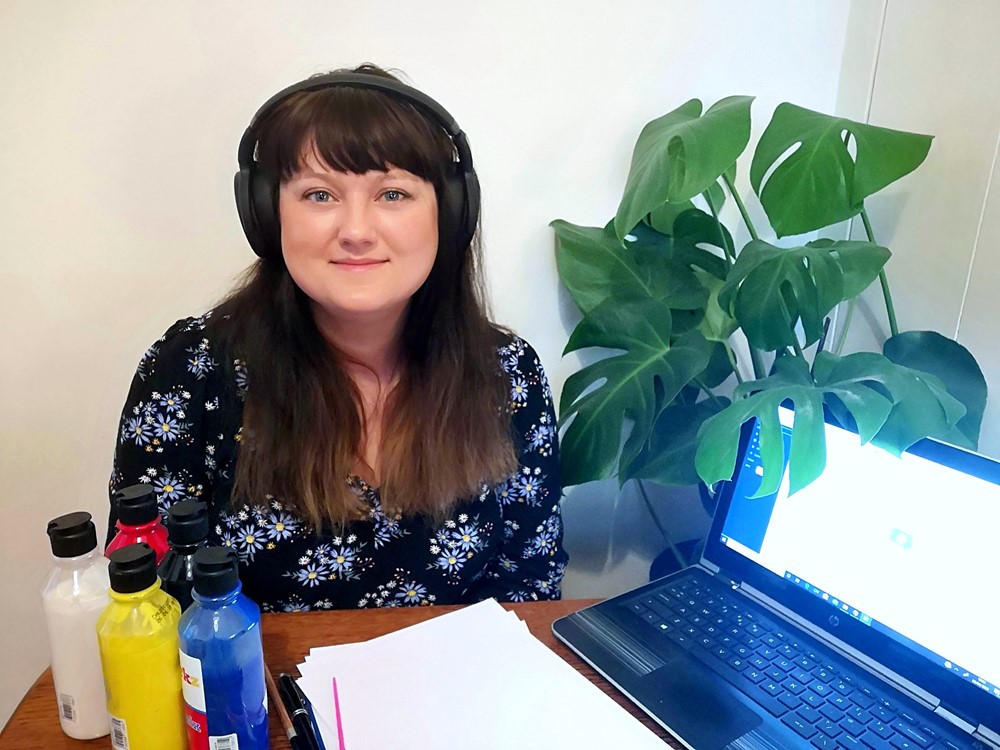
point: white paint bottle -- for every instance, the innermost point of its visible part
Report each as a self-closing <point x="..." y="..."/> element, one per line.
<point x="73" y="598"/>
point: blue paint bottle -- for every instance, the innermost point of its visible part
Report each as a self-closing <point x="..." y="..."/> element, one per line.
<point x="222" y="660"/>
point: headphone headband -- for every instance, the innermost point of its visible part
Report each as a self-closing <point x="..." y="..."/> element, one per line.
<point x="361" y="81"/>
<point x="256" y="194"/>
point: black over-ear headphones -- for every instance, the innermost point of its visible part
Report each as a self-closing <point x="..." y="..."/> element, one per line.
<point x="257" y="191"/>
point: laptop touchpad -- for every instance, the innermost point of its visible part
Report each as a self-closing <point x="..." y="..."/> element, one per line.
<point x="696" y="704"/>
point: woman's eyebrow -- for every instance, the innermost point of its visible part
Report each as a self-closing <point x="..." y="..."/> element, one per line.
<point x="306" y="174"/>
<point x="400" y="174"/>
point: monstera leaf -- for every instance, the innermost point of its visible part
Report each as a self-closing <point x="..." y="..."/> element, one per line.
<point x="668" y="458"/>
<point x="860" y="262"/>
<point x="819" y="183"/>
<point x="594" y="265"/>
<point x="695" y="228"/>
<point x="930" y="352"/>
<point x="681" y="155"/>
<point x="770" y="289"/>
<point x="865" y="389"/>
<point x="650" y="372"/>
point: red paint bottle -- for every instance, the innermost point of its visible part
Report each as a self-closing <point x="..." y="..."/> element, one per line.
<point x="138" y="521"/>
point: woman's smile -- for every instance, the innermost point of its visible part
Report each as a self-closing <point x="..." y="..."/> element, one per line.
<point x="356" y="265"/>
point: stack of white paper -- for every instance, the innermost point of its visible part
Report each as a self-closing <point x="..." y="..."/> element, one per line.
<point x="473" y="678"/>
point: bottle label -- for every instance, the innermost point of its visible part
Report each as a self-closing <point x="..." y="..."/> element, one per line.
<point x="193" y="687"/>
<point x="67" y="707"/>
<point x="119" y="734"/>
<point x="228" y="742"/>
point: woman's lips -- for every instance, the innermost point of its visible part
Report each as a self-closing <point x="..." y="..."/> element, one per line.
<point x="358" y="265"/>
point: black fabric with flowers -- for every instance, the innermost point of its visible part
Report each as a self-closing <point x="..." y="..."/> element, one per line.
<point x="180" y="432"/>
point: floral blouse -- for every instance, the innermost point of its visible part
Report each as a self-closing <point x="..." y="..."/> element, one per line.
<point x="180" y="432"/>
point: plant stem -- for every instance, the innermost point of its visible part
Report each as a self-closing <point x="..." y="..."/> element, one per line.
<point x="707" y="391"/>
<point x="757" y="362"/>
<point x="726" y="247"/>
<point x="739" y="204"/>
<point x="732" y="361"/>
<point x="755" y="358"/>
<point x="670" y="542"/>
<point x="890" y="311"/>
<point x="842" y="336"/>
<point x="791" y="327"/>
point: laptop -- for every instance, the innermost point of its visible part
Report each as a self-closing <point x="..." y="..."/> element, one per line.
<point x="861" y="612"/>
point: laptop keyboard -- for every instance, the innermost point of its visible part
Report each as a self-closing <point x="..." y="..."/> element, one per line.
<point x="823" y="703"/>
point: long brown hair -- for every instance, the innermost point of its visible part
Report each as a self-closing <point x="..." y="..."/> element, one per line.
<point x="446" y="425"/>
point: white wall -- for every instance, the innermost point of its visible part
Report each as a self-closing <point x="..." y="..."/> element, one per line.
<point x="937" y="73"/>
<point x="118" y="131"/>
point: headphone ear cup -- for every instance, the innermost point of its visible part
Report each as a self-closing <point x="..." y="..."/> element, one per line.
<point x="472" y="198"/>
<point x="460" y="206"/>
<point x="264" y="204"/>
<point x="244" y="207"/>
<point x="257" y="206"/>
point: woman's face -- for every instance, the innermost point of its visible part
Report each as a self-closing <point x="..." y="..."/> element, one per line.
<point x="358" y="245"/>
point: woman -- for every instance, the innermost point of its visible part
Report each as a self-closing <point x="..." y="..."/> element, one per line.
<point x="362" y="434"/>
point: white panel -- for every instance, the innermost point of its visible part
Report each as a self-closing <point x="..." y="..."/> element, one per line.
<point x="937" y="73"/>
<point x="978" y="329"/>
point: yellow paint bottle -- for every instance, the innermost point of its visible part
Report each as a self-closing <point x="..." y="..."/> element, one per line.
<point x="137" y="634"/>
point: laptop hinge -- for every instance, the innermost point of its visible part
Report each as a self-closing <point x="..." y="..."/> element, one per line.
<point x="987" y="735"/>
<point x="955" y="719"/>
<point x="875" y="668"/>
<point x="711" y="567"/>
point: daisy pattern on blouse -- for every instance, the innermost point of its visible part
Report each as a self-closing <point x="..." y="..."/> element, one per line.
<point x="180" y="432"/>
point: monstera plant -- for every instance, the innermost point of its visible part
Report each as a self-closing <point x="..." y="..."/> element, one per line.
<point x="664" y="286"/>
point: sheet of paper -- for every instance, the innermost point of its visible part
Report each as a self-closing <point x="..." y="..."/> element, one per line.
<point x="474" y="678"/>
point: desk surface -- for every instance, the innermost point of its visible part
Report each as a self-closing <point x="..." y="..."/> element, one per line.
<point x="287" y="639"/>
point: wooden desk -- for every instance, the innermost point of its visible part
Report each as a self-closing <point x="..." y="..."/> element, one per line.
<point x="287" y="639"/>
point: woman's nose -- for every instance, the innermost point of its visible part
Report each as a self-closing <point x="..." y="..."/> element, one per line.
<point x="357" y="229"/>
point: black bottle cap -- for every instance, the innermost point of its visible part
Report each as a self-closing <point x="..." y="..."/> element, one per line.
<point x="216" y="571"/>
<point x="187" y="523"/>
<point x="132" y="568"/>
<point x="72" y="535"/>
<point x="136" y="505"/>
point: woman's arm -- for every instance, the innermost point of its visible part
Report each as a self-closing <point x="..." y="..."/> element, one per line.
<point x="166" y="434"/>
<point x="531" y="561"/>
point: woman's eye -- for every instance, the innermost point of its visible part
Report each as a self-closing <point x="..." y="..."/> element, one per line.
<point x="394" y="196"/>
<point x="318" y="196"/>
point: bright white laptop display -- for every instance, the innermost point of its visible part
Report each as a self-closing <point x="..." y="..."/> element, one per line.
<point x="893" y="543"/>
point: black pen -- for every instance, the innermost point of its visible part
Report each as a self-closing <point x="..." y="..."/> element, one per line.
<point x="296" y="741"/>
<point x="295" y="702"/>
<point x="312" y="715"/>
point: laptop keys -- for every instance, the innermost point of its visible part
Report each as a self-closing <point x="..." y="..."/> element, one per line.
<point x="824" y="743"/>
<point x="799" y="725"/>
<point x="784" y="676"/>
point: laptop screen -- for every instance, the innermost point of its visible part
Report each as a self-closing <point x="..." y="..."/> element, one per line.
<point x="900" y="547"/>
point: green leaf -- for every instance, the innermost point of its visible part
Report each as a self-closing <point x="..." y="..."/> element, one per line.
<point x="770" y="289"/>
<point x="716" y="324"/>
<point x="670" y="263"/>
<point x="928" y="351"/>
<point x="662" y="218"/>
<point x="819" y="183"/>
<point x="890" y="404"/>
<point x="719" y="437"/>
<point x="669" y="457"/>
<point x="860" y="262"/>
<point x="600" y="397"/>
<point x="682" y="154"/>
<point x="715" y="197"/>
<point x="595" y="266"/>
<point x="695" y="227"/>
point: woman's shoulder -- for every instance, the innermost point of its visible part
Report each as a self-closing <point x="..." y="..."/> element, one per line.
<point x="190" y="346"/>
<point x="515" y="353"/>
